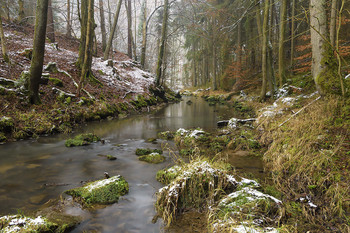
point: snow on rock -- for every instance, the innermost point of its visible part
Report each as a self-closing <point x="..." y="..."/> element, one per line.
<point x="190" y="133"/>
<point x="17" y="223"/>
<point x="101" y="183"/>
<point x="123" y="74"/>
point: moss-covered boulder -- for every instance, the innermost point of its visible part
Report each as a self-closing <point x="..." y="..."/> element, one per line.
<point x="152" y="158"/>
<point x="147" y="151"/>
<point x="197" y="184"/>
<point x="109" y="157"/>
<point x="82" y="140"/>
<point x="6" y="124"/>
<point x="2" y="137"/>
<point x="246" y="207"/>
<point x="20" y="223"/>
<point x="166" y="176"/>
<point x="106" y="191"/>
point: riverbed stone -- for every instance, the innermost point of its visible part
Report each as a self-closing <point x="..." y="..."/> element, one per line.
<point x="82" y="140"/>
<point x="106" y="191"/>
<point x="152" y="158"/>
<point x="147" y="151"/>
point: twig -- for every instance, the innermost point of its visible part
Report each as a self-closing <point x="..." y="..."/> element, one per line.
<point x="300" y="111"/>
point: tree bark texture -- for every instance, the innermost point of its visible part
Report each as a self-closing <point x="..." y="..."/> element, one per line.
<point x="50" y="31"/>
<point x="21" y="14"/>
<point x="83" y="29"/>
<point x="144" y="34"/>
<point x="318" y="22"/>
<point x="112" y="32"/>
<point x="162" y="42"/>
<point x="69" y="25"/>
<point x="281" y="50"/>
<point x="86" y="68"/>
<point x="264" y="50"/>
<point x="103" y="25"/>
<point x="130" y="39"/>
<point x="3" y="42"/>
<point x="36" y="65"/>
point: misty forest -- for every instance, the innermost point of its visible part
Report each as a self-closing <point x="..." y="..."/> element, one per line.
<point x="175" y="116"/>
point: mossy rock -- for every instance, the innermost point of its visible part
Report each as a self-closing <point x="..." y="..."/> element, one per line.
<point x="111" y="157"/>
<point x="6" y="124"/>
<point x="51" y="67"/>
<point x="2" y="137"/>
<point x="166" y="135"/>
<point x="147" y="151"/>
<point x="106" y="191"/>
<point x="20" y="223"/>
<point x="152" y="140"/>
<point x="166" y="176"/>
<point x="152" y="158"/>
<point x="56" y="82"/>
<point x="248" y="202"/>
<point x="82" y="140"/>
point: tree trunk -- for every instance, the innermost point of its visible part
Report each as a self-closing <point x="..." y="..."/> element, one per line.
<point x="103" y="26"/>
<point x="318" y="23"/>
<point x="86" y="68"/>
<point x="129" y="28"/>
<point x="333" y="23"/>
<point x="36" y="65"/>
<point x="21" y="11"/>
<point x="50" y="24"/>
<point x="69" y="26"/>
<point x="292" y="36"/>
<point x="144" y="35"/>
<point x="3" y="42"/>
<point x="111" y="35"/>
<point x="281" y="52"/>
<point x="162" y="42"/>
<point x="83" y="29"/>
<point x="264" y="50"/>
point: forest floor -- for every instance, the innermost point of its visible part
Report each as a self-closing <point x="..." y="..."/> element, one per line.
<point x="116" y="90"/>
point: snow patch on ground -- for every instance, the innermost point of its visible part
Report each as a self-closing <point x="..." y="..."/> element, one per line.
<point x="21" y="224"/>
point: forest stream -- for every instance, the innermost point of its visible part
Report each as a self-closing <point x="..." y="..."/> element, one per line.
<point x="35" y="171"/>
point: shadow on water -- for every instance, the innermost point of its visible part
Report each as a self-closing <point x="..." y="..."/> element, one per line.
<point x="33" y="172"/>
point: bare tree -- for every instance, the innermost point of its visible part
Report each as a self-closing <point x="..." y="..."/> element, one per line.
<point x="36" y="65"/>
<point x="103" y="26"/>
<point x="162" y="42"/>
<point x="50" y="24"/>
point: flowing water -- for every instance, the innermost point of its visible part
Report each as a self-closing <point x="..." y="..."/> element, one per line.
<point x="34" y="171"/>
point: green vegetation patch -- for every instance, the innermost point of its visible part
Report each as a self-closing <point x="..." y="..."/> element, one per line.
<point x="103" y="192"/>
<point x="19" y="223"/>
<point x="56" y="82"/>
<point x="166" y="176"/>
<point x="248" y="207"/>
<point x="82" y="140"/>
<point x="152" y="158"/>
<point x="147" y="151"/>
<point x="166" y="135"/>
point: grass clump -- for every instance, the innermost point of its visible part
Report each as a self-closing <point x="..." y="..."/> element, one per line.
<point x="147" y="151"/>
<point x="103" y="192"/>
<point x="20" y="223"/>
<point x="166" y="176"/>
<point x="166" y="135"/>
<point x="82" y="140"/>
<point x="308" y="156"/>
<point x="198" y="184"/>
<point x="152" y="158"/>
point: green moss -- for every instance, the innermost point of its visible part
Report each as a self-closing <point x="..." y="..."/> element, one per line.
<point x="152" y="140"/>
<point x="111" y="157"/>
<point x="152" y="158"/>
<point x="56" y="82"/>
<point x="82" y="140"/>
<point x="167" y="135"/>
<point x="166" y="176"/>
<point x="6" y="124"/>
<point x="147" y="151"/>
<point x="103" y="192"/>
<point x="186" y="152"/>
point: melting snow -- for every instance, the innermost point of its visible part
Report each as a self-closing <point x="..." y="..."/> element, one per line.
<point x="101" y="183"/>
